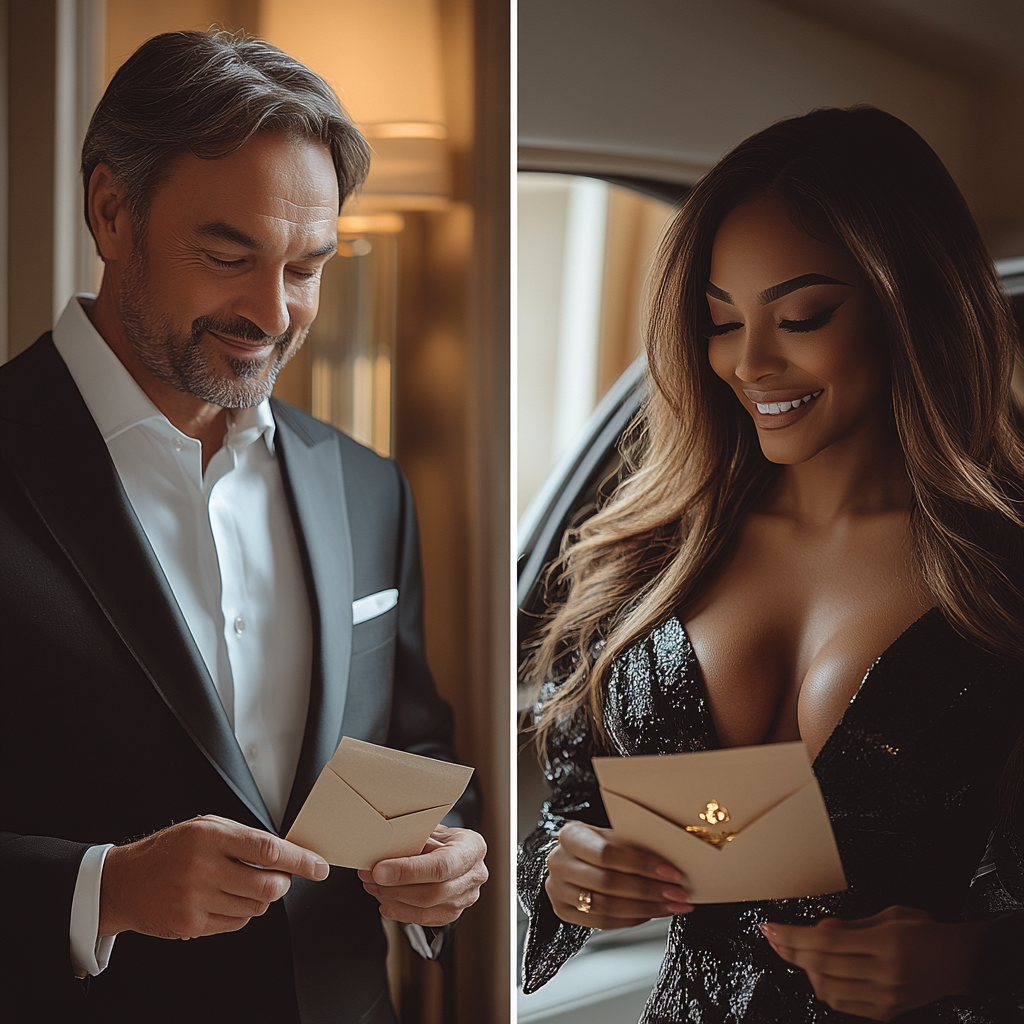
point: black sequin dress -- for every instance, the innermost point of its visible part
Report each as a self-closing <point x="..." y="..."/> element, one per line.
<point x="910" y="777"/>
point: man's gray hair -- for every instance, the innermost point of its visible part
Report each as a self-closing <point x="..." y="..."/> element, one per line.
<point x="208" y="93"/>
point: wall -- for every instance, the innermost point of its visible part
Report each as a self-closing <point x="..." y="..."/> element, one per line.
<point x="31" y="30"/>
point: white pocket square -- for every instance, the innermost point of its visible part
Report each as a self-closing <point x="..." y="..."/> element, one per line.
<point x="372" y="605"/>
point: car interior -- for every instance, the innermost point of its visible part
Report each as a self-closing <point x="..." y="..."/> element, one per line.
<point x="619" y="129"/>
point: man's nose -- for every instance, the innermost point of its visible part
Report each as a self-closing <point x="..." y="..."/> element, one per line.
<point x="759" y="355"/>
<point x="265" y="303"/>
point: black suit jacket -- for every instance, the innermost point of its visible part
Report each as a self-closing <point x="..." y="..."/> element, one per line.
<point x="112" y="729"/>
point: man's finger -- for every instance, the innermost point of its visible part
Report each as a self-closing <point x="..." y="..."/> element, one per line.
<point x="426" y="895"/>
<point x="461" y="851"/>
<point x="429" y="917"/>
<point x="263" y="850"/>
<point x="251" y="883"/>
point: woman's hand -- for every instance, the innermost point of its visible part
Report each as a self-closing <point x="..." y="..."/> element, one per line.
<point x="626" y="886"/>
<point x="881" y="966"/>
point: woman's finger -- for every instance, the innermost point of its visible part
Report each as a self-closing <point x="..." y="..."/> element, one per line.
<point x="597" y="846"/>
<point x="568" y="894"/>
<point x="834" y="938"/>
<point x="578" y="873"/>
<point x="835" y="965"/>
<point x="597" y="913"/>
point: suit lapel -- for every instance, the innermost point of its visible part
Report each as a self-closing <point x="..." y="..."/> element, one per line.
<point x="49" y="440"/>
<point x="313" y="478"/>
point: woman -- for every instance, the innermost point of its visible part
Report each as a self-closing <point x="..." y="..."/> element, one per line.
<point x="821" y="541"/>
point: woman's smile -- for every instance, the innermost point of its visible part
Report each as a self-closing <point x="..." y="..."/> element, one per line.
<point x="777" y="403"/>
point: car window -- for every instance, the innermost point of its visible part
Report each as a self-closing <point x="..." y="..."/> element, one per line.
<point x="585" y="250"/>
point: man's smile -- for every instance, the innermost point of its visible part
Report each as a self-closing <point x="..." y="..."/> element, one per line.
<point x="244" y="349"/>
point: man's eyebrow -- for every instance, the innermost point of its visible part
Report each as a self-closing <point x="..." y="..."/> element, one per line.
<point x="327" y="249"/>
<point x="778" y="290"/>
<point x="227" y="233"/>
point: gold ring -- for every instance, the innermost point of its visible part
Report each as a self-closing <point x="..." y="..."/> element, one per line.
<point x="584" y="901"/>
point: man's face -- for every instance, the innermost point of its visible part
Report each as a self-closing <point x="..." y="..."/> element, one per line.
<point x="220" y="292"/>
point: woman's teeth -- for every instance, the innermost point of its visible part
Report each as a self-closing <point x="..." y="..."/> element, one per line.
<point x="774" y="408"/>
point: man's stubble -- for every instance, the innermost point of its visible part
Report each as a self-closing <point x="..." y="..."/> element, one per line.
<point x="180" y="360"/>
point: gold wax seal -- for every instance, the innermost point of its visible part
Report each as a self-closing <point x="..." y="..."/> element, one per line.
<point x="714" y="814"/>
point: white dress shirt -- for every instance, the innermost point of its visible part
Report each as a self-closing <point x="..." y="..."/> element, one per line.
<point x="227" y="546"/>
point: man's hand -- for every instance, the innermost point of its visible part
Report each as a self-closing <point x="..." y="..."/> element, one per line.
<point x="881" y="966"/>
<point x="433" y="888"/>
<point x="197" y="878"/>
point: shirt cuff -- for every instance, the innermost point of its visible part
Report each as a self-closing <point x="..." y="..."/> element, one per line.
<point x="420" y="940"/>
<point x="89" y="952"/>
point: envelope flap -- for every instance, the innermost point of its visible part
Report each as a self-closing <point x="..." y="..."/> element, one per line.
<point x="409" y="831"/>
<point x="747" y="781"/>
<point x="396" y="782"/>
<point x="336" y="822"/>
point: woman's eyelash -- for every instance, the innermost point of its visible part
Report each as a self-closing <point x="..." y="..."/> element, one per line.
<point x="714" y="330"/>
<point x="811" y="323"/>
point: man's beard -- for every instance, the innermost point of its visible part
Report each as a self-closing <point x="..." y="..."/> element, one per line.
<point x="181" y="361"/>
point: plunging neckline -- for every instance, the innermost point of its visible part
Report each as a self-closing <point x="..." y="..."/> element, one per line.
<point x="706" y="703"/>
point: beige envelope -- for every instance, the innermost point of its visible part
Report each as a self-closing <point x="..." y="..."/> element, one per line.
<point x="745" y="823"/>
<point x="372" y="803"/>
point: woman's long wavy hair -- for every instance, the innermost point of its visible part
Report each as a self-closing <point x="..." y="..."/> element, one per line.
<point x="866" y="179"/>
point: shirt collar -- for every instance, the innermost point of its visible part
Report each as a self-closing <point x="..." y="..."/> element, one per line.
<point x="116" y="401"/>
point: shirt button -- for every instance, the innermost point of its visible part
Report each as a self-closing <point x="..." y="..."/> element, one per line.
<point x="176" y="444"/>
<point x="239" y="626"/>
<point x="251" y="751"/>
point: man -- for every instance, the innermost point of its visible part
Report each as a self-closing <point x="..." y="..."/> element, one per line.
<point x="202" y="590"/>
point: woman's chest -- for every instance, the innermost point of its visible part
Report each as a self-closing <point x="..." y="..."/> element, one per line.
<point x="787" y="632"/>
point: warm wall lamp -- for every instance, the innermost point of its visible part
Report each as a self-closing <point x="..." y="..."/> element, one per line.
<point x="384" y="58"/>
<point x="410" y="168"/>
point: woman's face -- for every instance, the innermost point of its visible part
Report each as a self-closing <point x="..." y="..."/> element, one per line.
<point x="795" y="334"/>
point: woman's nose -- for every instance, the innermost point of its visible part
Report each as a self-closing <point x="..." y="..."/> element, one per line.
<point x="759" y="355"/>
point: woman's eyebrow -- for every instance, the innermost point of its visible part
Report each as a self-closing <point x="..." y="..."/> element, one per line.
<point x="778" y="290"/>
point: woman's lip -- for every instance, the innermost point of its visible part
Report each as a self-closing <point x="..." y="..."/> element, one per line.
<point x="244" y="347"/>
<point x="769" y="421"/>
<point x="789" y="395"/>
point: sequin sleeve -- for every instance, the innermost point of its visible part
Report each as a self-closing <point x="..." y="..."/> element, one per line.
<point x="574" y="795"/>
<point x="997" y="897"/>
